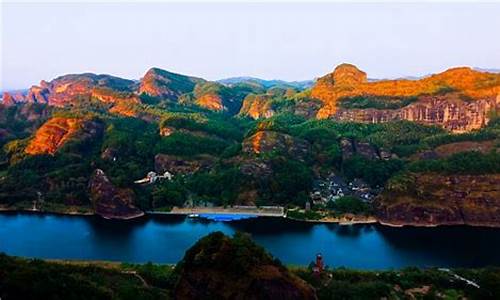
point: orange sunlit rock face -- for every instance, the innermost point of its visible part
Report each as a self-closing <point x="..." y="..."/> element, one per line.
<point x="211" y="101"/>
<point x="57" y="131"/>
<point x="154" y="84"/>
<point x="125" y="108"/>
<point x="53" y="135"/>
<point x="265" y="141"/>
<point x="72" y="88"/>
<point x="7" y="99"/>
<point x="107" y="95"/>
<point x="257" y="106"/>
<point x="440" y="97"/>
<point x="163" y="84"/>
<point x="257" y="141"/>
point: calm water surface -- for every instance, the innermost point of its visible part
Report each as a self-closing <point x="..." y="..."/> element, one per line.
<point x="164" y="239"/>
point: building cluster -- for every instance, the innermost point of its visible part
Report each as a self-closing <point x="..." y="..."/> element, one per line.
<point x="153" y="177"/>
<point x="334" y="187"/>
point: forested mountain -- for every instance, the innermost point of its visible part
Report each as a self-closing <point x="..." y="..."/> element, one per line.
<point x="425" y="150"/>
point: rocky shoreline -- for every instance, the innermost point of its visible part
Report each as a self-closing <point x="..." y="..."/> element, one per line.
<point x="339" y="221"/>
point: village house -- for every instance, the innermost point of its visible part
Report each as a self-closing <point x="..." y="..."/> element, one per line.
<point x="335" y="187"/>
<point x="152" y="177"/>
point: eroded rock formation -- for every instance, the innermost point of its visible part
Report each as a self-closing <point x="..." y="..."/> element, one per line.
<point x="160" y="83"/>
<point x="72" y="88"/>
<point x="211" y="101"/>
<point x="257" y="106"/>
<point x="56" y="132"/>
<point x="449" y="112"/>
<point x="435" y="199"/>
<point x="111" y="202"/>
<point x="458" y="99"/>
<point x="265" y="141"/>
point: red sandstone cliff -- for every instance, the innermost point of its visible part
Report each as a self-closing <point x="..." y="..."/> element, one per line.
<point x="435" y="199"/>
<point x="160" y="83"/>
<point x="70" y="88"/>
<point x="56" y="132"/>
<point x="458" y="99"/>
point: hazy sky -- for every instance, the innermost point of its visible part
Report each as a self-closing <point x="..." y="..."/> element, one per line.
<point x="214" y="41"/>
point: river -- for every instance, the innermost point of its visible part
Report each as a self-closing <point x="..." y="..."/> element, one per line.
<point x="165" y="238"/>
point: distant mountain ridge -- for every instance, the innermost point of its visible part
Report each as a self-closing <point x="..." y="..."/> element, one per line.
<point x="304" y="84"/>
<point x="487" y="70"/>
<point x="459" y="99"/>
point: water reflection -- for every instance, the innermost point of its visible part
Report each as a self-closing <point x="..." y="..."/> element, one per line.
<point x="453" y="246"/>
<point x="166" y="219"/>
<point x="271" y="226"/>
<point x="352" y="231"/>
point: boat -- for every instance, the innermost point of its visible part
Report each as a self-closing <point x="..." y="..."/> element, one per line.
<point x="193" y="215"/>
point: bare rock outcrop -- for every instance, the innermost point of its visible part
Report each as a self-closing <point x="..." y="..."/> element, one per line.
<point x="179" y="165"/>
<point x="56" y="132"/>
<point x="163" y="84"/>
<point x="8" y="99"/>
<point x="68" y="89"/>
<point x="458" y="99"/>
<point x="257" y="106"/>
<point x="212" y="102"/>
<point x="434" y="199"/>
<point x="110" y="202"/>
<point x="448" y="111"/>
<point x="265" y="141"/>
<point x="351" y="147"/>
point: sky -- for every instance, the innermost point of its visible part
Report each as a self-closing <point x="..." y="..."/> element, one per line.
<point x="289" y="41"/>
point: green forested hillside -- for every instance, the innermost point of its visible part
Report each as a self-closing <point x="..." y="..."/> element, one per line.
<point x="219" y="158"/>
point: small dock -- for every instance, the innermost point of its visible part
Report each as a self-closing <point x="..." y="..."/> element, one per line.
<point x="226" y="213"/>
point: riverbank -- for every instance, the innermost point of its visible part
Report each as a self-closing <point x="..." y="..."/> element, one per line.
<point x="343" y="221"/>
<point x="51" y="209"/>
<point x="265" y="211"/>
<point x="274" y="211"/>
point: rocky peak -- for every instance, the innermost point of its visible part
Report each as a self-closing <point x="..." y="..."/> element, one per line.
<point x="66" y="89"/>
<point x="220" y="267"/>
<point x="347" y="74"/>
<point x="160" y="83"/>
<point x="458" y="99"/>
<point x="8" y="100"/>
<point x="218" y="97"/>
<point x="257" y="106"/>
